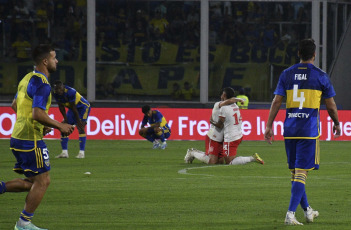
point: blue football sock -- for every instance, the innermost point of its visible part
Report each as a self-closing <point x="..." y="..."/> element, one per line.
<point x="297" y="191"/>
<point x="25" y="216"/>
<point x="2" y="187"/>
<point x="64" y="143"/>
<point x="304" y="202"/>
<point x="82" y="141"/>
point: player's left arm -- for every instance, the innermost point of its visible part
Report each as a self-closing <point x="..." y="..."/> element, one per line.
<point x="333" y="113"/>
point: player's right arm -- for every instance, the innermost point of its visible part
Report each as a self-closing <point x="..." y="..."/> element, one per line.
<point x="41" y="116"/>
<point x="40" y="98"/>
<point x="231" y="101"/>
<point x="276" y="103"/>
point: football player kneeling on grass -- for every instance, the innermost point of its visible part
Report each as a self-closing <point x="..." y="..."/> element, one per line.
<point x="224" y="136"/>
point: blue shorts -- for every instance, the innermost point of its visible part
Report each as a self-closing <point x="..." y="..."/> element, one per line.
<point x="32" y="162"/>
<point x="83" y="115"/>
<point x="302" y="153"/>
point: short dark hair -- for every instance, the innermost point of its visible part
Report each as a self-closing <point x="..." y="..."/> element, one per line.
<point x="41" y="51"/>
<point x="306" y="49"/>
<point x="58" y="83"/>
<point x="229" y="92"/>
<point x="145" y="109"/>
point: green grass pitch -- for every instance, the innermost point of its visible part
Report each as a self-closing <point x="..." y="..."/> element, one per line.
<point x="132" y="186"/>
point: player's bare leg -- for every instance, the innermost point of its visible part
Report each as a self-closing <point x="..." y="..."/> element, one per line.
<point x="18" y="185"/>
<point x="34" y="197"/>
<point x="195" y="153"/>
<point x="213" y="159"/>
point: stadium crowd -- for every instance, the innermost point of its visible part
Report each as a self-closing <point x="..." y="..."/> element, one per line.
<point x="26" y="23"/>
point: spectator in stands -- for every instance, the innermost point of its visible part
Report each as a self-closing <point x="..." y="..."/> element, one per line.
<point x="238" y="12"/>
<point x="140" y="34"/>
<point x="64" y="46"/>
<point x="177" y="92"/>
<point x="233" y="35"/>
<point x="193" y="17"/>
<point x="176" y="29"/>
<point x="269" y="36"/>
<point x="59" y="12"/>
<point x="21" y="49"/>
<point x="121" y="22"/>
<point x="252" y="34"/>
<point x="159" y="26"/>
<point x="227" y="8"/>
<point x="21" y="10"/>
<point x="188" y="92"/>
<point x="278" y="12"/>
<point x="42" y="24"/>
<point x="258" y="15"/>
<point x="29" y="4"/>
<point x="251" y="7"/>
<point x="162" y="8"/>
<point x="242" y="95"/>
<point x="139" y="17"/>
<point x="192" y="35"/>
<point x="296" y="6"/>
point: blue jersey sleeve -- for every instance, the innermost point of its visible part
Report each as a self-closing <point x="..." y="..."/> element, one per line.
<point x="280" y="90"/>
<point x="38" y="91"/>
<point x="328" y="89"/>
<point x="71" y="94"/>
<point x="41" y="96"/>
<point x="33" y="85"/>
<point x="158" y="116"/>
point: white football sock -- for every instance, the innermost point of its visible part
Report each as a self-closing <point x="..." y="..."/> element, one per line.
<point x="22" y="223"/>
<point x="241" y="160"/>
<point x="201" y="156"/>
<point x="65" y="151"/>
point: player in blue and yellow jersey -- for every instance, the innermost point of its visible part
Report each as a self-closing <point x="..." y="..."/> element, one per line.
<point x="31" y="104"/>
<point x="77" y="114"/>
<point x="158" y="129"/>
<point x="304" y="86"/>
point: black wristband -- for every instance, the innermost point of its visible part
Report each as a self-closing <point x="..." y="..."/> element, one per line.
<point x="336" y="123"/>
